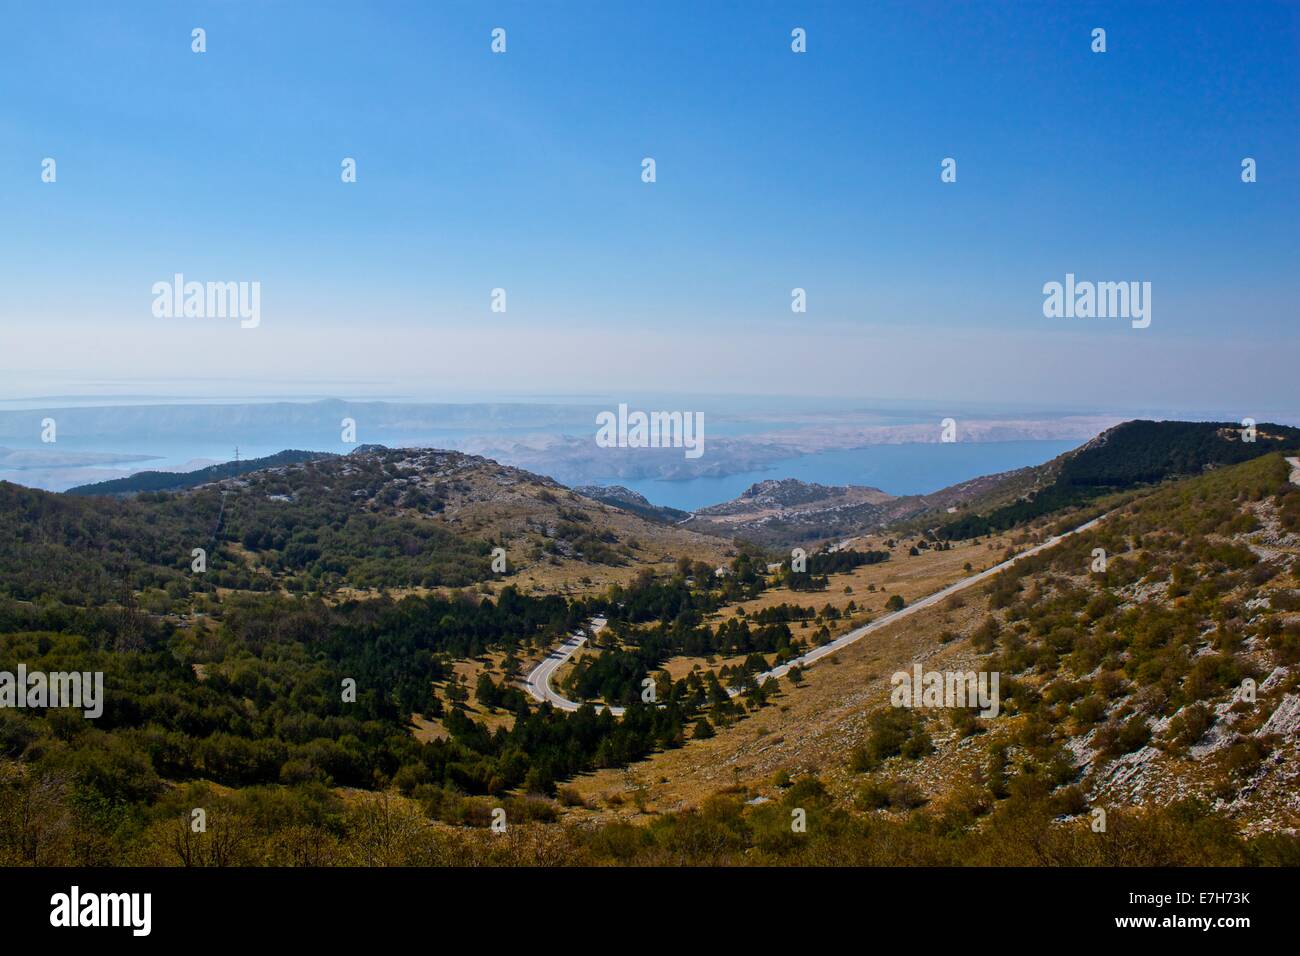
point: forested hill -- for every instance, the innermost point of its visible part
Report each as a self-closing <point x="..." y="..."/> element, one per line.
<point x="301" y="528"/>
<point x="178" y="480"/>
<point x="1140" y="452"/>
<point x="1127" y="456"/>
<point x="375" y="518"/>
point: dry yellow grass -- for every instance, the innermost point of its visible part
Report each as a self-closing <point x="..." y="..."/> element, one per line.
<point x="424" y="729"/>
<point x="813" y="727"/>
<point x="808" y="729"/>
<point x="910" y="577"/>
<point x="679" y="667"/>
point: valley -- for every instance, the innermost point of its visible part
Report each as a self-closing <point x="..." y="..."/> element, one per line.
<point x="1157" y="683"/>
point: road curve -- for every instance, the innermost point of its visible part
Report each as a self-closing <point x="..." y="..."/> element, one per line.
<point x="538" y="682"/>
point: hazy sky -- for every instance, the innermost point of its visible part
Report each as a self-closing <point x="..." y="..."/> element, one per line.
<point x="775" y="170"/>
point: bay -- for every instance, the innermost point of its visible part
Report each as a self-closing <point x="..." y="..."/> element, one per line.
<point x="907" y="469"/>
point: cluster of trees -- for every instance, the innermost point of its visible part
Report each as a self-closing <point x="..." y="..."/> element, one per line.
<point x="575" y="532"/>
<point x="541" y="747"/>
<point x="843" y="561"/>
<point x="336" y="523"/>
<point x="747" y="577"/>
<point x="892" y="732"/>
<point x="256" y="695"/>
<point x="648" y="598"/>
<point x="618" y="673"/>
<point x="1054" y="497"/>
<point x="1143" y="452"/>
<point x="824" y="563"/>
<point x="96" y="551"/>
<point x="777" y="613"/>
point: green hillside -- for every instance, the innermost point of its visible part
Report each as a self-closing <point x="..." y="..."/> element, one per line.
<point x="177" y="480"/>
<point x="1127" y="456"/>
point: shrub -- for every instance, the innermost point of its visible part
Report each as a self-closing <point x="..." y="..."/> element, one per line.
<point x="1190" y="724"/>
<point x="891" y="733"/>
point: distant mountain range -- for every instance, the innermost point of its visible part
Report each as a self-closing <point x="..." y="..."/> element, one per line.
<point x="552" y="439"/>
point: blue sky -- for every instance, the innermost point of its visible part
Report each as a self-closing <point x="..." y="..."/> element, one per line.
<point x="775" y="170"/>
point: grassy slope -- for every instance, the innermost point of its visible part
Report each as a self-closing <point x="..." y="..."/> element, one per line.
<point x="1186" y="610"/>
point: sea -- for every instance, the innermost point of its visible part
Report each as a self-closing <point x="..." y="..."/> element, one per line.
<point x="906" y="469"/>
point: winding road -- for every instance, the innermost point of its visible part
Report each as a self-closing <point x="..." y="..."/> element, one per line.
<point x="538" y="682"/>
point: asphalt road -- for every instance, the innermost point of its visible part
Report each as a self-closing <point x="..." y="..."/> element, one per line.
<point x="538" y="682"/>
